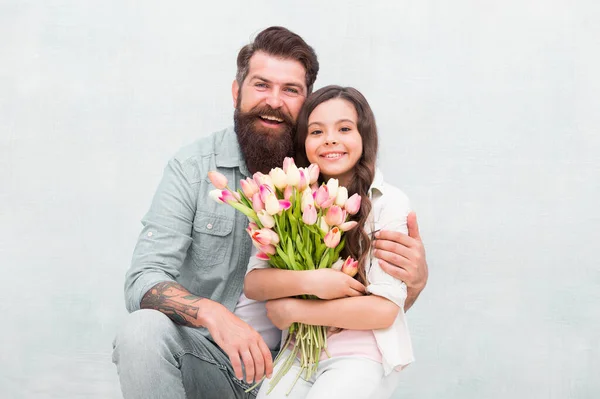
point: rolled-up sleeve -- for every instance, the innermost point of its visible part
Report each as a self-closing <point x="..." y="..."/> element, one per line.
<point x="166" y="234"/>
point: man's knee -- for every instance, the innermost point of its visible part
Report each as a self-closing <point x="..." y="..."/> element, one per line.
<point x="145" y="331"/>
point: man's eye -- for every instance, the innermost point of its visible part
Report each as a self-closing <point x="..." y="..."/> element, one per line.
<point x="292" y="90"/>
<point x="261" y="85"/>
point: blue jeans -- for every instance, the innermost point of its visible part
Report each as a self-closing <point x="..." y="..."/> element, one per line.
<point x="157" y="358"/>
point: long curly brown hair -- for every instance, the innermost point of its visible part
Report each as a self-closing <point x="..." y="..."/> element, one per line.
<point x="358" y="242"/>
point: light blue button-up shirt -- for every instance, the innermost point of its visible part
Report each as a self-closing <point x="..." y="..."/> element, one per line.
<point x="188" y="237"/>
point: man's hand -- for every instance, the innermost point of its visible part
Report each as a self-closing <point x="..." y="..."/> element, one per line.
<point x="332" y="284"/>
<point x="280" y="311"/>
<point x="403" y="256"/>
<point x="239" y="341"/>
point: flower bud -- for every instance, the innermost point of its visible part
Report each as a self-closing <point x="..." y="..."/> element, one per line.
<point x="332" y="186"/>
<point x="278" y="177"/>
<point x="350" y="267"/>
<point x="348" y="225"/>
<point x="309" y="215"/>
<point x="332" y="238"/>
<point x="334" y="216"/>
<point x="257" y="203"/>
<point x="266" y="219"/>
<point x="342" y="196"/>
<point x="313" y="173"/>
<point x="293" y="175"/>
<point x="217" y="179"/>
<point x="353" y="204"/>
<point x="249" y="187"/>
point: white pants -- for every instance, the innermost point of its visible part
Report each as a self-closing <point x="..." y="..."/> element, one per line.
<point x="341" y="377"/>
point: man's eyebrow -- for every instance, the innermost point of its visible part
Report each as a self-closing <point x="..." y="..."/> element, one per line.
<point x="294" y="84"/>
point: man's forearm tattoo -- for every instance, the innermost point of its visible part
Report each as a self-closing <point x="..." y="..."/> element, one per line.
<point x="173" y="300"/>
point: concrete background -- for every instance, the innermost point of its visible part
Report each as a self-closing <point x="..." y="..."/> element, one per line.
<point x="489" y="120"/>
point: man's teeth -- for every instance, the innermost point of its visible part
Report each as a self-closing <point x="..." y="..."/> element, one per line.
<point x="271" y="118"/>
<point x="334" y="155"/>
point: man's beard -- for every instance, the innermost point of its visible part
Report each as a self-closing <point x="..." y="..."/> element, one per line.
<point x="263" y="148"/>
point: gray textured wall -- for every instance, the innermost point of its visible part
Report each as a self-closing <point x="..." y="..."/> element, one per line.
<point x="488" y="115"/>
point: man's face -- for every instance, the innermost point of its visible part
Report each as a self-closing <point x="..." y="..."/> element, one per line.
<point x="274" y="85"/>
<point x="266" y="108"/>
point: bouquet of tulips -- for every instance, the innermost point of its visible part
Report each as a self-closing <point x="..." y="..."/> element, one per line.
<point x="296" y="225"/>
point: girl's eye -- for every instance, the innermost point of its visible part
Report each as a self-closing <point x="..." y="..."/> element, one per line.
<point x="316" y="132"/>
<point x="345" y="129"/>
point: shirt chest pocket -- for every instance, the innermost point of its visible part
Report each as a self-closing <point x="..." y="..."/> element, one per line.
<point x="211" y="239"/>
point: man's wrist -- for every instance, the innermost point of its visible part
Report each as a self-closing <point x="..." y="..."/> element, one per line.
<point x="208" y="312"/>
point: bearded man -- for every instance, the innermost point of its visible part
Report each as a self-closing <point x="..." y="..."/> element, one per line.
<point x="191" y="330"/>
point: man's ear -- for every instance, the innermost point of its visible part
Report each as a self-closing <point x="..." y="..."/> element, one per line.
<point x="235" y="91"/>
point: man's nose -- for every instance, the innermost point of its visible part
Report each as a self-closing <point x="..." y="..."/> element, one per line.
<point x="274" y="99"/>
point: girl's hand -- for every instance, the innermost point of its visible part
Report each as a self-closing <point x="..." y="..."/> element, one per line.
<point x="280" y="311"/>
<point x="332" y="284"/>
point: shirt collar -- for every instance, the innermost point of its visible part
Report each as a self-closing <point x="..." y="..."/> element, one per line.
<point x="377" y="185"/>
<point x="228" y="153"/>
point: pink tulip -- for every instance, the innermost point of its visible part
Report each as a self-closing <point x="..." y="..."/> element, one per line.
<point x="350" y="267"/>
<point x="287" y="162"/>
<point x="249" y="187"/>
<point x="217" y="179"/>
<point x="284" y="205"/>
<point x="332" y="238"/>
<point x="253" y="226"/>
<point x="321" y="196"/>
<point x="228" y="197"/>
<point x="257" y="203"/>
<point x="309" y="215"/>
<point x="267" y="249"/>
<point x="313" y="172"/>
<point x="261" y="237"/>
<point x="348" y="225"/>
<point x="265" y="191"/>
<point x="303" y="182"/>
<point x="334" y="216"/>
<point x="353" y="204"/>
<point x="262" y="256"/>
<point x="258" y="178"/>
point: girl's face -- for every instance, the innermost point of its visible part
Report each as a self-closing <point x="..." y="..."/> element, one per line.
<point x="333" y="141"/>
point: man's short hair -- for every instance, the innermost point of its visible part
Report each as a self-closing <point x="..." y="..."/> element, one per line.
<point x="279" y="42"/>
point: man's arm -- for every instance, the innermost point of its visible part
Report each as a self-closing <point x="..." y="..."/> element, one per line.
<point x="159" y="254"/>
<point x="403" y="256"/>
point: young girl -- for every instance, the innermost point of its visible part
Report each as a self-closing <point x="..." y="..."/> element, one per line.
<point x="336" y="130"/>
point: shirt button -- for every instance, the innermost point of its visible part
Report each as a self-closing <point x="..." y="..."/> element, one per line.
<point x="209" y="226"/>
<point x="149" y="234"/>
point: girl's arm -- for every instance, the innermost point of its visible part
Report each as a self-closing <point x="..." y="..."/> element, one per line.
<point x="359" y="313"/>
<point x="270" y="283"/>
